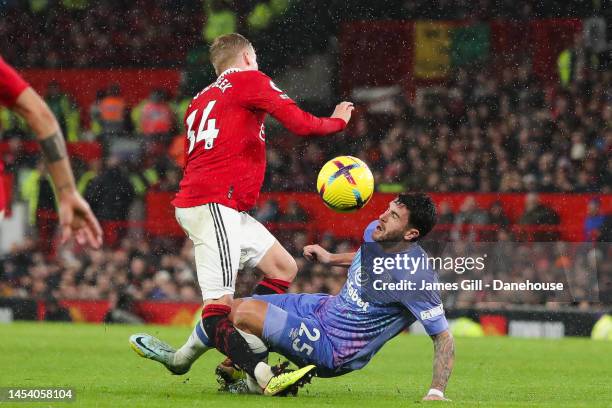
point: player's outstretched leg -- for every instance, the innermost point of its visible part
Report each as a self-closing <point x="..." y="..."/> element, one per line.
<point x="228" y="340"/>
<point x="176" y="361"/>
<point x="279" y="269"/>
<point x="229" y="374"/>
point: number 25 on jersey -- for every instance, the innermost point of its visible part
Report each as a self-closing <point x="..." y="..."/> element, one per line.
<point x="207" y="130"/>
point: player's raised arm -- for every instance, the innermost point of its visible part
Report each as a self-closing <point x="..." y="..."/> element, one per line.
<point x="304" y="124"/>
<point x="444" y="358"/>
<point x="265" y="95"/>
<point x="316" y="253"/>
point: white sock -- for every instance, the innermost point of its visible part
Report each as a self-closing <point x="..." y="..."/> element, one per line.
<point x="253" y="385"/>
<point x="191" y="350"/>
<point x="263" y="374"/>
<point x="256" y="345"/>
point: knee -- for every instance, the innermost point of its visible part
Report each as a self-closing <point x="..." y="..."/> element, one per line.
<point x="242" y="316"/>
<point x="290" y="269"/>
<point x="284" y="267"/>
<point x="278" y="264"/>
<point x="249" y="316"/>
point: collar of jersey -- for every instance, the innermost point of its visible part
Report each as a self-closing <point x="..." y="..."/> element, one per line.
<point x="229" y="71"/>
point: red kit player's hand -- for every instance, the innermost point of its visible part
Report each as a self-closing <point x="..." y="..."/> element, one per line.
<point x="343" y="111"/>
<point x="76" y="218"/>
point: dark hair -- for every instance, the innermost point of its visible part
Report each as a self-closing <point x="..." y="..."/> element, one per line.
<point x="422" y="212"/>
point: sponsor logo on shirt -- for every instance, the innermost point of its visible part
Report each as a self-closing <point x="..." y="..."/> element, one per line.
<point x="353" y="295"/>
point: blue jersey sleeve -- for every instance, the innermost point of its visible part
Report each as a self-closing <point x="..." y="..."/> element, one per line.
<point x="367" y="233"/>
<point x="425" y="304"/>
<point x="430" y="314"/>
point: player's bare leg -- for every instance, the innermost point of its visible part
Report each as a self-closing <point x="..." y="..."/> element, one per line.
<point x="279" y="269"/>
<point x="249" y="315"/>
<point x="226" y="338"/>
<point x="216" y="329"/>
<point x="230" y="377"/>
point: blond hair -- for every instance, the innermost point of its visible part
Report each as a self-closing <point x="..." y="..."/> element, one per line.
<point x="225" y="49"/>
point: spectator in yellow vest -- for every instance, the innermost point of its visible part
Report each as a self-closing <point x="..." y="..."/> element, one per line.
<point x="65" y="110"/>
<point x="11" y="124"/>
<point x="37" y="190"/>
<point x="94" y="169"/>
<point x="94" y="113"/>
<point x="571" y="62"/>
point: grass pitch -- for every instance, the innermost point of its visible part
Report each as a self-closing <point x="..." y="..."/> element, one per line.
<point x="98" y="363"/>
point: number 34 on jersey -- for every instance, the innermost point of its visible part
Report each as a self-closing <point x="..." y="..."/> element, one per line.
<point x="207" y="129"/>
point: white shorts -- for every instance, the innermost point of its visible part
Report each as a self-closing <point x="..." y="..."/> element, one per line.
<point x="225" y="241"/>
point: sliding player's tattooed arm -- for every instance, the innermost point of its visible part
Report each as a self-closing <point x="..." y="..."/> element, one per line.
<point x="444" y="358"/>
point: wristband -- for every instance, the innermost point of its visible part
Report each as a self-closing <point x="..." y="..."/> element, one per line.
<point x="437" y="393"/>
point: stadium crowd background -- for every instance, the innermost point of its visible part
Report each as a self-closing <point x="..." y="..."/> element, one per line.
<point x="480" y="132"/>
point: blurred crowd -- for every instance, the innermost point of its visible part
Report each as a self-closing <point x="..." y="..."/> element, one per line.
<point x="478" y="133"/>
<point x="86" y="33"/>
<point x="98" y="34"/>
<point x="585" y="271"/>
<point x="141" y="268"/>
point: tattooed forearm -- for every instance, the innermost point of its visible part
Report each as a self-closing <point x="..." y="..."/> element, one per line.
<point x="53" y="147"/>
<point x="444" y="357"/>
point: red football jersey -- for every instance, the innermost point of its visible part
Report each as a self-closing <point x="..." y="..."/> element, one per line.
<point x="225" y="147"/>
<point x="11" y="86"/>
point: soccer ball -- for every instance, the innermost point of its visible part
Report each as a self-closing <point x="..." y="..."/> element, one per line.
<point x="345" y="184"/>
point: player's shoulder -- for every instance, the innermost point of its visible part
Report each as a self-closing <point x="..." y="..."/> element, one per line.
<point x="249" y="75"/>
<point x="254" y="85"/>
<point x="251" y="79"/>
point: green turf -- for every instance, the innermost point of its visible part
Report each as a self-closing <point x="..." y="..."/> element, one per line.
<point x="97" y="361"/>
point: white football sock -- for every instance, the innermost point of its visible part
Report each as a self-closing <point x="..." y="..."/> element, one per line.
<point x="255" y="343"/>
<point x="263" y="374"/>
<point x="253" y="385"/>
<point x="191" y="350"/>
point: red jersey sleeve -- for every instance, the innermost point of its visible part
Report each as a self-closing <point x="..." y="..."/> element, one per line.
<point x="11" y="84"/>
<point x="263" y="94"/>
